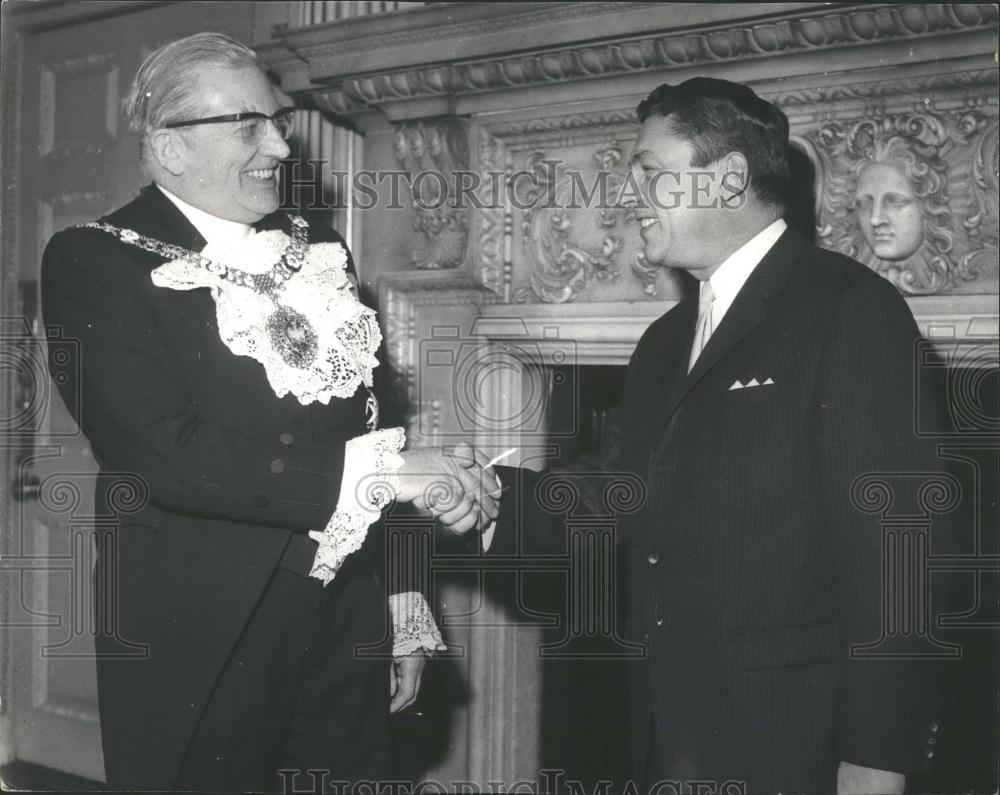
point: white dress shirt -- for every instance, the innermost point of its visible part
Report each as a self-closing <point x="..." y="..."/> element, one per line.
<point x="733" y="273"/>
<point x="210" y="227"/>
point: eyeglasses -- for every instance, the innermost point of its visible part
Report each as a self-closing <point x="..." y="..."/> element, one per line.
<point x="253" y="125"/>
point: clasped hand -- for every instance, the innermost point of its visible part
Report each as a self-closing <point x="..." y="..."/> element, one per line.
<point x="453" y="483"/>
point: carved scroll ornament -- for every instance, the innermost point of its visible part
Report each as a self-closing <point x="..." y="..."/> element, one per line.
<point x="575" y="236"/>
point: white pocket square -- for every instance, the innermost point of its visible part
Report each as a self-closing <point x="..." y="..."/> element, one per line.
<point x="737" y="384"/>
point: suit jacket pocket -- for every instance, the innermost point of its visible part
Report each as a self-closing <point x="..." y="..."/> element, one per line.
<point x="786" y="647"/>
<point x="748" y="396"/>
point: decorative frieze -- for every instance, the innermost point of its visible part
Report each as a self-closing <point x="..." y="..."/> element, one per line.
<point x="881" y="94"/>
<point x="830" y="68"/>
<point x="559" y="238"/>
<point x="713" y="42"/>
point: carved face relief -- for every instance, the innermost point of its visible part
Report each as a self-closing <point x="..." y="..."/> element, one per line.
<point x="888" y="211"/>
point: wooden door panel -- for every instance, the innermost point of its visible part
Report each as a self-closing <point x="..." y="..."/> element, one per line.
<point x="75" y="160"/>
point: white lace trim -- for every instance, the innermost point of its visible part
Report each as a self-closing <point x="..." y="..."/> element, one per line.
<point x="413" y="625"/>
<point x="313" y="336"/>
<point x="368" y="485"/>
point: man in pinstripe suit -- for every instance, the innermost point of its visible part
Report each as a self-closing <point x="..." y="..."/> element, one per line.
<point x="750" y="410"/>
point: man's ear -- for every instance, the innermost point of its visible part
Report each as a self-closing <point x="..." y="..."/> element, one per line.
<point x="735" y="178"/>
<point x="167" y="149"/>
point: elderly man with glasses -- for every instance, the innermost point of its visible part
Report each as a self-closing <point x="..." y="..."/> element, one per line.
<point x="226" y="373"/>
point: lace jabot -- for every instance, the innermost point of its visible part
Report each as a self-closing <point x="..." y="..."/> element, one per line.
<point x="282" y="302"/>
<point x="313" y="336"/>
<point x="291" y="306"/>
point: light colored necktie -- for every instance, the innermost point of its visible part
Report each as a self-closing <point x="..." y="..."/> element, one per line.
<point x="704" y="328"/>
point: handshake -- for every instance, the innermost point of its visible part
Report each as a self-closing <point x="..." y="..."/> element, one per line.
<point x="455" y="484"/>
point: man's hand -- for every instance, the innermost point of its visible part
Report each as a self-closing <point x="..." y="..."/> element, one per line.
<point x="453" y="484"/>
<point x="404" y="680"/>
<point x="856" y="780"/>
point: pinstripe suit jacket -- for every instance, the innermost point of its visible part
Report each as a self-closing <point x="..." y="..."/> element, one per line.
<point x="752" y="569"/>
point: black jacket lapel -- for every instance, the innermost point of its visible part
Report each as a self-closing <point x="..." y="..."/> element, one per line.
<point x="677" y="355"/>
<point x="746" y="313"/>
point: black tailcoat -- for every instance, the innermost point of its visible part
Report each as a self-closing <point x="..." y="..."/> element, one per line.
<point x="235" y="478"/>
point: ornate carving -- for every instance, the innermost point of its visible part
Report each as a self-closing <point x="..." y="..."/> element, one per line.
<point x="433" y="152"/>
<point x="911" y="196"/>
<point x="493" y="217"/>
<point x="493" y="25"/>
<point x="645" y="273"/>
<point x="563" y="260"/>
<point x="562" y="217"/>
<point x="708" y="45"/>
<point x="982" y="224"/>
<point x="897" y="95"/>
<point x="561" y="267"/>
<point x="566" y="130"/>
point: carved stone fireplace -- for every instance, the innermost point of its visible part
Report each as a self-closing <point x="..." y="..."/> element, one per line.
<point x="541" y="97"/>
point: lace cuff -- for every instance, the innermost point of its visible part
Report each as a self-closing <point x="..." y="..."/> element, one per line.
<point x="369" y="484"/>
<point x="413" y="625"/>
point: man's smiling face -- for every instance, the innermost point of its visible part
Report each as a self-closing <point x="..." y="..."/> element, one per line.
<point x="680" y="222"/>
<point x="222" y="174"/>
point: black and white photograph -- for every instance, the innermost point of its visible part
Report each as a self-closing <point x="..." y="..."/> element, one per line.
<point x="522" y="398"/>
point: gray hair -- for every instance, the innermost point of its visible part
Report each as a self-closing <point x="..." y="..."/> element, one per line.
<point x="162" y="89"/>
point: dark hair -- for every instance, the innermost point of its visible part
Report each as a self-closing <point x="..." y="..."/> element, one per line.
<point x="718" y="117"/>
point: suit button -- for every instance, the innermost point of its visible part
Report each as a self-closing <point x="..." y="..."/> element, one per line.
<point x="653" y="558"/>
<point x="659" y="622"/>
<point x="277" y="466"/>
<point x="261" y="501"/>
<point x="934" y="728"/>
<point x="286" y="439"/>
<point x="929" y="753"/>
<point x="932" y="740"/>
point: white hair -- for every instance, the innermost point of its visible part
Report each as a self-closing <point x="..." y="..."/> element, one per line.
<point x="162" y="90"/>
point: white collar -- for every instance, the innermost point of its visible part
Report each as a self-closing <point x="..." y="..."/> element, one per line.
<point x="210" y="227"/>
<point x="729" y="278"/>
